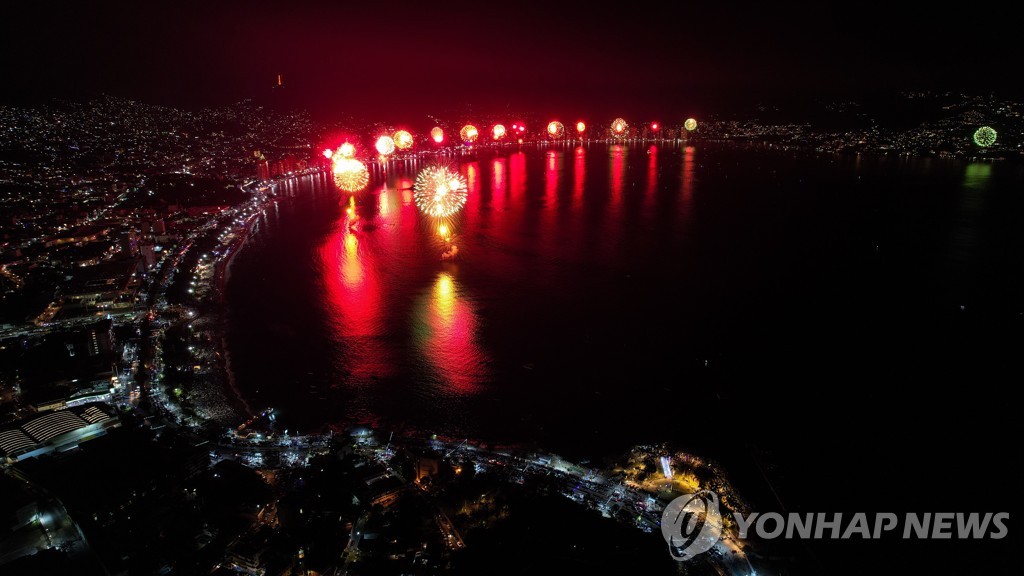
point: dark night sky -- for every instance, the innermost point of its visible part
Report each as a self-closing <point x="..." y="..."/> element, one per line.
<point x="385" y="59"/>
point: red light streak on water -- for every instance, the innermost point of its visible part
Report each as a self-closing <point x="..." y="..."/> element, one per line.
<point x="686" y="184"/>
<point x="446" y="336"/>
<point x="618" y="174"/>
<point x="499" y="184"/>
<point x="579" y="175"/>
<point x="354" y="295"/>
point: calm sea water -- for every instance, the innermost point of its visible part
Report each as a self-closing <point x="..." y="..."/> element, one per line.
<point x="609" y="295"/>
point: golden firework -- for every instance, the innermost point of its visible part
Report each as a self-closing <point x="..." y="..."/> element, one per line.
<point x="619" y="127"/>
<point x="403" y="140"/>
<point x="350" y="174"/>
<point x="469" y="133"/>
<point x="439" y="191"/>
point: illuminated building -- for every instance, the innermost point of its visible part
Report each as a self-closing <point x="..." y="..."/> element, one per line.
<point x="262" y="166"/>
<point x="54" y="431"/>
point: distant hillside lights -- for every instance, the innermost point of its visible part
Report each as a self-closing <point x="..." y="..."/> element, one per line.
<point x="266" y="169"/>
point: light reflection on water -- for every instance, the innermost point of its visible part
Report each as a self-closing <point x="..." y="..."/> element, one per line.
<point x="380" y="243"/>
<point x="583" y="271"/>
<point x="444" y="332"/>
<point x="354" y="301"/>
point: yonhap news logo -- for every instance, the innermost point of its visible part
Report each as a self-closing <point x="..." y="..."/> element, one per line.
<point x="692" y="524"/>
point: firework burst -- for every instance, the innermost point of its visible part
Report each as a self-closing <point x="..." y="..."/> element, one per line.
<point x="555" y="129"/>
<point x="385" y="145"/>
<point x="619" y="127"/>
<point x="469" y="133"/>
<point x="350" y="174"/>
<point x="985" y="136"/>
<point x="690" y="124"/>
<point x="439" y="191"/>
<point x="403" y="140"/>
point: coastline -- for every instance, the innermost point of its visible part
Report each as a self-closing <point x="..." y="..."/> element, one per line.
<point x="199" y="390"/>
<point x="622" y="491"/>
<point x="265" y="196"/>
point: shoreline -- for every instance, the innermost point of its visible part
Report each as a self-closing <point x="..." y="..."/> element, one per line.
<point x="222" y="274"/>
<point x="211" y="397"/>
<point x="245" y="436"/>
